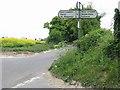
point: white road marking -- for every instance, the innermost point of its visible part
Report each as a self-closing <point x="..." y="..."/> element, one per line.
<point x="47" y="51"/>
<point x="28" y="81"/>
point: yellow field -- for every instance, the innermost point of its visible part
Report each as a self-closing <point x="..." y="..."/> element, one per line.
<point x="40" y="42"/>
<point x="14" y="42"/>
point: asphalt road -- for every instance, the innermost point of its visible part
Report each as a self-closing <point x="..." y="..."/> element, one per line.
<point x="18" y="72"/>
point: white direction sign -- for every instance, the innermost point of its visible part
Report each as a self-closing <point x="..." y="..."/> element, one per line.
<point x="75" y="14"/>
<point x="88" y="14"/>
<point x="68" y="14"/>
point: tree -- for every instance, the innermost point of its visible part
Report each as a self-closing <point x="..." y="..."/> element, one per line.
<point x="116" y="43"/>
<point x="117" y="24"/>
<point x="55" y="36"/>
<point x="89" y="24"/>
<point x="56" y="30"/>
<point x="46" y="25"/>
<point x="114" y="47"/>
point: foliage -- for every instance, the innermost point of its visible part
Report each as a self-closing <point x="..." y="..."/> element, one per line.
<point x="89" y="64"/>
<point x="89" y="24"/>
<point x="66" y="28"/>
<point x="55" y="36"/>
<point x="113" y="50"/>
<point x="90" y="40"/>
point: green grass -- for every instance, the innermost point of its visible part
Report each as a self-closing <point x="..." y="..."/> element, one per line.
<point x="89" y="64"/>
<point x="34" y="48"/>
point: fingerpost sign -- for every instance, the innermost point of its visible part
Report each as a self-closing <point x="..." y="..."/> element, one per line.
<point x="79" y="13"/>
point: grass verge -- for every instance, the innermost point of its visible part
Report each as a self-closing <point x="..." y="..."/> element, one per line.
<point x="34" y="48"/>
<point x="89" y="64"/>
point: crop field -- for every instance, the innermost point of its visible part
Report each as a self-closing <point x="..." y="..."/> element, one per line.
<point x="14" y="44"/>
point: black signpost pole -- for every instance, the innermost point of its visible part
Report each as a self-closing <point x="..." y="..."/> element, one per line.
<point x="78" y="6"/>
<point x="79" y="21"/>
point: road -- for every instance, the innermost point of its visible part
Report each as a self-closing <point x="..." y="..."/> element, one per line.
<point x="18" y="72"/>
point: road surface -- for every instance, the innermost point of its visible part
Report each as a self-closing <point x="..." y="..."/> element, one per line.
<point x="27" y="72"/>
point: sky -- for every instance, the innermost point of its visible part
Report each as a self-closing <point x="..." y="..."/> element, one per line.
<point x="25" y="18"/>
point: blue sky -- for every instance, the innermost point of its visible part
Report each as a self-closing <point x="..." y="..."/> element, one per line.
<point x="25" y="18"/>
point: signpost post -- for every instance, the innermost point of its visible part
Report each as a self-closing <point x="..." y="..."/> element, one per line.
<point x="78" y="6"/>
<point x="79" y="13"/>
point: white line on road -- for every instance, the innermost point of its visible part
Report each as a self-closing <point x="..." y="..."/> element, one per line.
<point x="28" y="81"/>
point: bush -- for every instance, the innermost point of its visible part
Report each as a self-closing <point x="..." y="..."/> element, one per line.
<point x="113" y="50"/>
<point x="90" y="40"/>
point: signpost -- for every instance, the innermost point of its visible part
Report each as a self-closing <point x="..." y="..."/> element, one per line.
<point x="68" y="14"/>
<point x="88" y="14"/>
<point x="79" y="13"/>
<point x="75" y="14"/>
<point x="78" y="6"/>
